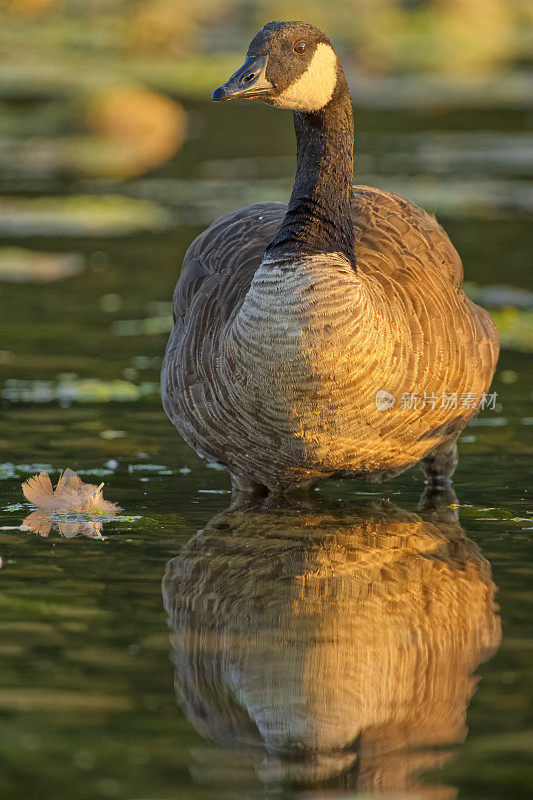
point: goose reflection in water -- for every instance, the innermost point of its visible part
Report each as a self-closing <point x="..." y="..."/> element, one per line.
<point x="332" y="644"/>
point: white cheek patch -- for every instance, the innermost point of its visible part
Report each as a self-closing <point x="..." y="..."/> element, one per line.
<point x="315" y="87"/>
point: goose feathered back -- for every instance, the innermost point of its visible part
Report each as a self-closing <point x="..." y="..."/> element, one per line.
<point x="272" y="368"/>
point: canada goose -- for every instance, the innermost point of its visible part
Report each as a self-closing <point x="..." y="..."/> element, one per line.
<point x="340" y="638"/>
<point x="300" y="330"/>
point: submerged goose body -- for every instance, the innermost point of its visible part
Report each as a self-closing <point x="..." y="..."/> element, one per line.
<point x="329" y="337"/>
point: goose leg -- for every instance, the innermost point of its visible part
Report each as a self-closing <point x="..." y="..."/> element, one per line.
<point x="439" y="465"/>
<point x="242" y="485"/>
<point x="439" y="504"/>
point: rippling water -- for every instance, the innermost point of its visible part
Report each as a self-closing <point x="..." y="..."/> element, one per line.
<point x="371" y="642"/>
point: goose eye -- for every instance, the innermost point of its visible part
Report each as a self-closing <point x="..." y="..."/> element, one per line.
<point x="300" y="47"/>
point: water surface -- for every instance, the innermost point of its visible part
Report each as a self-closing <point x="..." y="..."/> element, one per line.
<point x="350" y="646"/>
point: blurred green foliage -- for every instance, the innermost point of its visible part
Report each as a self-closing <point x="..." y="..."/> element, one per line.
<point x="458" y="38"/>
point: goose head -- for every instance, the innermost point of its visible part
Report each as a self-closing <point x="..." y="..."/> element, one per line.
<point x="289" y="65"/>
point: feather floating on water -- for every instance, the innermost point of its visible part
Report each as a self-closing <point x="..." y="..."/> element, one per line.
<point x="70" y="495"/>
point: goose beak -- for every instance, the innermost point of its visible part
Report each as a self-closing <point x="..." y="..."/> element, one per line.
<point x="248" y="82"/>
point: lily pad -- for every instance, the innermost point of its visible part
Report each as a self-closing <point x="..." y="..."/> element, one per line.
<point x="80" y="215"/>
<point x="500" y="296"/>
<point x="515" y="328"/>
<point x="81" y="390"/>
<point x="162" y="323"/>
<point x="18" y="265"/>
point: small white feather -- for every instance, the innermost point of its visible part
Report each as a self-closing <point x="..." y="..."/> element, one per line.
<point x="71" y="494"/>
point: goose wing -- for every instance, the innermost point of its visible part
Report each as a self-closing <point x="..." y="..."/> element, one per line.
<point x="404" y="252"/>
<point x="215" y="277"/>
<point x="220" y="263"/>
<point x="396" y="237"/>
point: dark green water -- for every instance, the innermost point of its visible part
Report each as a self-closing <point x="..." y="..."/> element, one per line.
<point x="272" y="615"/>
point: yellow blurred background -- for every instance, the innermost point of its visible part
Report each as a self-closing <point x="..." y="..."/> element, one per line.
<point x="117" y="61"/>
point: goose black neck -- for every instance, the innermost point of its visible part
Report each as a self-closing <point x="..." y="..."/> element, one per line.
<point x="319" y="217"/>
